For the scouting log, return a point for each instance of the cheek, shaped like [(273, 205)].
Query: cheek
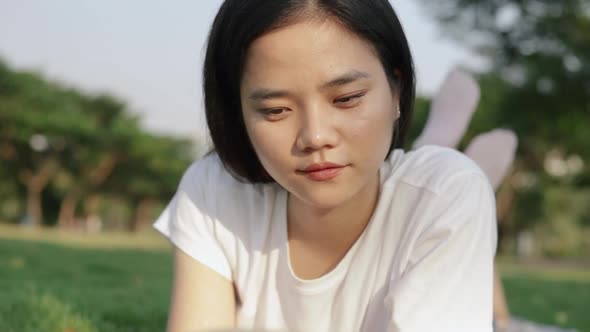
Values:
[(386, 116), (256, 135), (270, 144), (375, 126)]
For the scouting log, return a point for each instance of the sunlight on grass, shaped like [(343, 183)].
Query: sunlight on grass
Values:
[(33, 312), (102, 282), (48, 287), (550, 292), (544, 271), (148, 239)]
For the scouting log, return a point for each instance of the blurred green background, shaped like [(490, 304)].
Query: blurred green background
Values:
[(80, 179)]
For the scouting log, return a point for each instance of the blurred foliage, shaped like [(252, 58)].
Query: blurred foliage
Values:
[(63, 153), (538, 84)]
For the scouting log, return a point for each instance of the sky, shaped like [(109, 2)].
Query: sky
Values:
[(149, 53)]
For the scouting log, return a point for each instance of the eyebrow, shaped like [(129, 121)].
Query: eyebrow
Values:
[(263, 94), (347, 78)]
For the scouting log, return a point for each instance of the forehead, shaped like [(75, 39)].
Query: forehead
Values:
[(321, 49)]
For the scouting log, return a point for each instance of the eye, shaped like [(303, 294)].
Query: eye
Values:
[(350, 100), (274, 114)]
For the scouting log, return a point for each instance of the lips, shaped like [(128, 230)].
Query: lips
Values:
[(322, 171), (321, 166)]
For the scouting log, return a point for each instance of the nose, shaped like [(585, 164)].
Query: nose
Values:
[(317, 131)]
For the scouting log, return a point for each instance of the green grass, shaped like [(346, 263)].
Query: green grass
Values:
[(50, 287), (550, 295), (67, 282)]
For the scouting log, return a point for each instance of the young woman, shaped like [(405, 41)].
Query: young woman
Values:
[(308, 215)]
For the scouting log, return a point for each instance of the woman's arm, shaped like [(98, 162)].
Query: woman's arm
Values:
[(202, 299)]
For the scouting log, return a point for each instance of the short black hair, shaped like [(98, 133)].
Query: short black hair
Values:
[(239, 22)]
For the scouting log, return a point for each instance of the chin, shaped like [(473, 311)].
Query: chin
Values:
[(324, 198)]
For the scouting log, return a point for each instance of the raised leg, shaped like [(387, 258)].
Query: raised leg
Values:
[(451, 111)]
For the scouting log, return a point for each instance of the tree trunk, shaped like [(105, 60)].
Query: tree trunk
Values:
[(92, 220), (96, 176), (91, 204), (35, 183), (504, 200), (67, 210), (103, 170), (34, 208), (142, 213)]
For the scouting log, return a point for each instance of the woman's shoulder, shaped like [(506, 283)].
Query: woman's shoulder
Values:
[(207, 167), (234, 208), (431, 167), (210, 185), (444, 189), (216, 218), (209, 173)]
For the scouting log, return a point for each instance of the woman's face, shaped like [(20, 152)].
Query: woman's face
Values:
[(318, 110)]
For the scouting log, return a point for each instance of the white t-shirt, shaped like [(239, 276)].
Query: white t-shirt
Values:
[(423, 263)]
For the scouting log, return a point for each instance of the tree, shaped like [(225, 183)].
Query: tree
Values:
[(539, 51), (35, 118), (83, 148), (91, 160), (162, 160), (538, 84)]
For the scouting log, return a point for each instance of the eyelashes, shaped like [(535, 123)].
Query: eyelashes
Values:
[(278, 113), (348, 100), (273, 112)]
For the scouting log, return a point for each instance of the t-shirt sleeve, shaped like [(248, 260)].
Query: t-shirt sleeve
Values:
[(189, 219), (447, 283)]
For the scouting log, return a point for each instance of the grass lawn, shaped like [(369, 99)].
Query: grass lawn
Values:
[(52, 281), (548, 294), (69, 287)]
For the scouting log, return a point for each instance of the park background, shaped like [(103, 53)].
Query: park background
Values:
[(101, 112)]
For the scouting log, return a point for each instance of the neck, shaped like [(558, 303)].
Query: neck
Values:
[(335, 227)]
